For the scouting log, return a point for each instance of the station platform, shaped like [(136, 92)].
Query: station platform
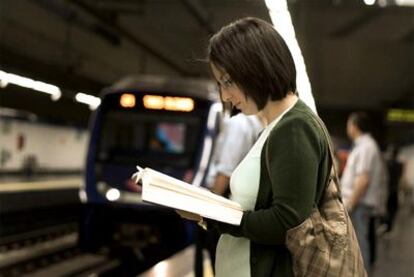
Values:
[(395, 249), (180, 265), (395, 253)]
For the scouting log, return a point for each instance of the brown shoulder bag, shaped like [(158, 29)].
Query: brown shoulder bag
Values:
[(325, 243)]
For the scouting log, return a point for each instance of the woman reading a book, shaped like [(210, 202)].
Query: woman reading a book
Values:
[(286, 169)]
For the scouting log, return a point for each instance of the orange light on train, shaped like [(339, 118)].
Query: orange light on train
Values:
[(183, 104), (169, 103), (127, 100), (154, 102)]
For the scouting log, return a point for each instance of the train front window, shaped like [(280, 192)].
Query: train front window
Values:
[(168, 137), (152, 140)]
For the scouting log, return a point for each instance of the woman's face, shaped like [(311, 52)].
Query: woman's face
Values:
[(350, 129), (231, 93)]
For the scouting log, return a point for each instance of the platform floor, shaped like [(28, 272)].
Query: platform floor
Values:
[(180, 265), (395, 256), (396, 249)]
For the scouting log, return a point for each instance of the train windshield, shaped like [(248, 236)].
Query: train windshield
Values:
[(148, 139)]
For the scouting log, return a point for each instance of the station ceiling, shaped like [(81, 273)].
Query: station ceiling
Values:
[(357, 56)]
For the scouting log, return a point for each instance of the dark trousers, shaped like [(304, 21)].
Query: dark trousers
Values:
[(372, 239), (205, 240)]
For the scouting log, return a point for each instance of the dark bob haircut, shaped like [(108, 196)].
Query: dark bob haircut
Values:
[(361, 121), (257, 59)]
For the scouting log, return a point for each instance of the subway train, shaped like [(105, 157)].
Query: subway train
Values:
[(168, 124)]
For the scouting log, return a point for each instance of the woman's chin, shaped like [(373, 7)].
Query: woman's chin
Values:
[(247, 112)]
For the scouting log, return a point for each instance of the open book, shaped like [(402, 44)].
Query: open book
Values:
[(167, 191)]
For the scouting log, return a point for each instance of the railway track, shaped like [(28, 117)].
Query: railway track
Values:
[(51, 251)]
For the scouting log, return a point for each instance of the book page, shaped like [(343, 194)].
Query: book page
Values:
[(161, 189)]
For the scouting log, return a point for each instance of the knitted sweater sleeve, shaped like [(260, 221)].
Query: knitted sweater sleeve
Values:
[(294, 153)]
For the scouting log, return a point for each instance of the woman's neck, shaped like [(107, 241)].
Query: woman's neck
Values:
[(274, 109)]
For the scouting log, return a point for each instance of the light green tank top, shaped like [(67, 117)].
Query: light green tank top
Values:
[(233, 253)]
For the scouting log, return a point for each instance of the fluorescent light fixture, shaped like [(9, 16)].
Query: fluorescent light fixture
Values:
[(369, 2), (54, 91), (408, 3), (282, 22), (3, 79), (10, 78), (87, 99)]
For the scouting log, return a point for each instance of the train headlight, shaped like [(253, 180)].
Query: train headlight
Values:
[(112, 194)]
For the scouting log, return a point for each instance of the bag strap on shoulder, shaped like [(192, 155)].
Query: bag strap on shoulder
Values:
[(334, 171), (333, 174)]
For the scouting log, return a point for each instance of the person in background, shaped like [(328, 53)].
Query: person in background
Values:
[(406, 157), (395, 171), (362, 180), (238, 134)]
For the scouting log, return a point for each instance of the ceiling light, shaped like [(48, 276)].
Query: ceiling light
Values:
[(282, 22), (10, 78), (409, 3), (87, 99), (369, 2)]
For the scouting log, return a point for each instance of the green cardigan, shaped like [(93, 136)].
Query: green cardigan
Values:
[(299, 162)]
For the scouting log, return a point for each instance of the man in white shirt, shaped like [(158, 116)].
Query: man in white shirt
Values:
[(238, 135), (362, 180)]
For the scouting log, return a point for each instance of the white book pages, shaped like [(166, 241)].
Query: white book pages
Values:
[(165, 190)]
